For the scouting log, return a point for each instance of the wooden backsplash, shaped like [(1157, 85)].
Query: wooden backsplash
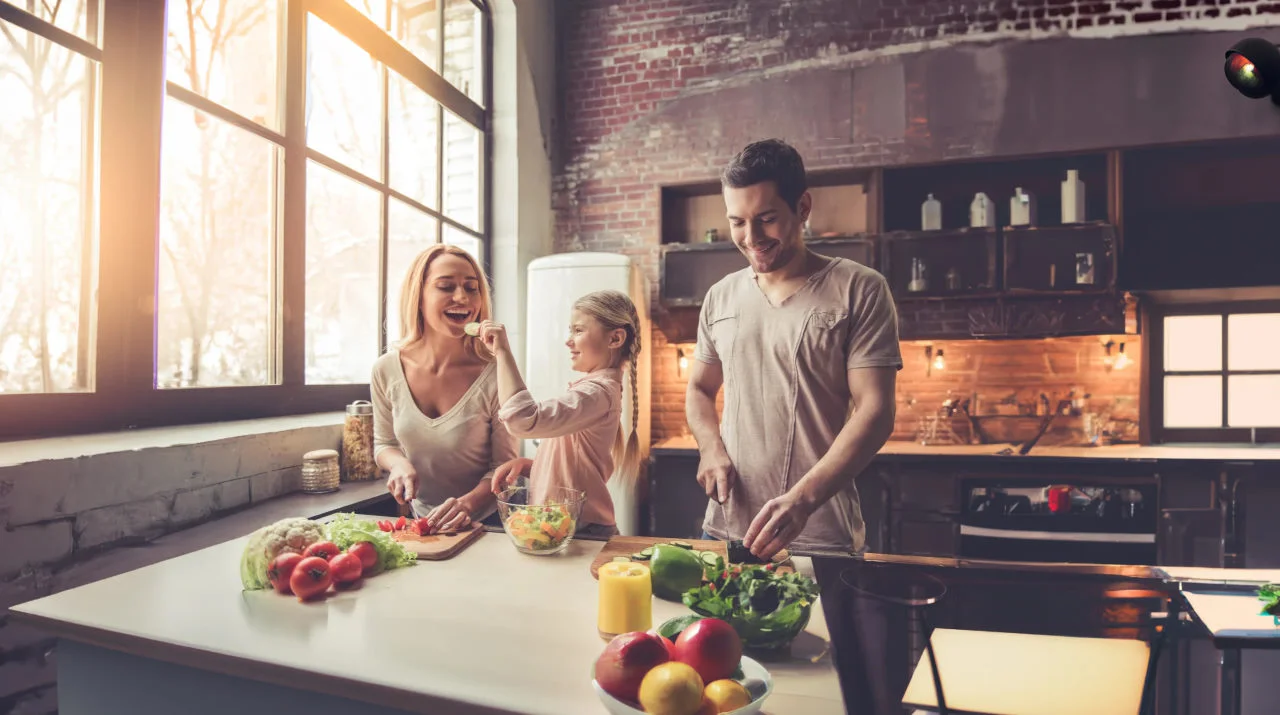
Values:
[(1015, 372)]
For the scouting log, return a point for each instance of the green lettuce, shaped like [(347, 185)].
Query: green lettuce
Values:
[(767, 609), (346, 529)]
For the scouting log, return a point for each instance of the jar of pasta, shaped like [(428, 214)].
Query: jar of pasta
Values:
[(357, 443)]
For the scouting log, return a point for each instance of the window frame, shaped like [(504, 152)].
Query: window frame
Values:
[(1156, 373), (131, 91)]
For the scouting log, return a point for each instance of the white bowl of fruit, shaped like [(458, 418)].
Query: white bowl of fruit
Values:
[(702, 673)]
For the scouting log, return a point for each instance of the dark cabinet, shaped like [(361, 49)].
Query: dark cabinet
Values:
[(676, 504)]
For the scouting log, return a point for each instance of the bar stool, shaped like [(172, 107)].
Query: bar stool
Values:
[(916, 592)]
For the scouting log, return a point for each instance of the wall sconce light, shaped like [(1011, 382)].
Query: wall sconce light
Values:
[(934, 362), (682, 362), (1120, 361)]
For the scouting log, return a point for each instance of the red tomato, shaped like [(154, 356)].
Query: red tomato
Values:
[(366, 552), (384, 525), (399, 523), (424, 526), (281, 569), (324, 549), (311, 578), (346, 568)]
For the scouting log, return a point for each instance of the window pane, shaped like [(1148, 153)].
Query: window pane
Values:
[(463, 47), (1192, 342), (416, 25), (47, 241), (412, 145), (1252, 400), (461, 171), (375, 10), (78, 17), (1193, 401), (225, 51), (344, 100), (217, 231), (409, 232), (1253, 341), (465, 241), (343, 223)]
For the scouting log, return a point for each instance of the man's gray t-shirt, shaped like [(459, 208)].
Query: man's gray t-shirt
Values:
[(787, 388)]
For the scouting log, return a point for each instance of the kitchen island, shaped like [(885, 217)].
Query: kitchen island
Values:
[(488, 631)]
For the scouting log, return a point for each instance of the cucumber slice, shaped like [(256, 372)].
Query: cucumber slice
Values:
[(646, 552), (622, 559), (708, 557), (639, 556), (682, 544)]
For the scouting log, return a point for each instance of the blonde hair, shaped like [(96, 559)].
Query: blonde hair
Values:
[(413, 324), (615, 311)]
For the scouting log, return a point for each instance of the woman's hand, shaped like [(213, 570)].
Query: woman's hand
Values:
[(452, 515), (402, 482), (509, 473), (494, 336)]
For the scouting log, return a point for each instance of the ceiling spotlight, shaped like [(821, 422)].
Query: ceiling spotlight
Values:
[(1253, 68)]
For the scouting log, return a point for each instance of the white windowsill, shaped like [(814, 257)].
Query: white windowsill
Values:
[(73, 446)]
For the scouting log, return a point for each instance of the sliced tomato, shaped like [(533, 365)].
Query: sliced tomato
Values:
[(384, 525), (399, 524), (424, 526)]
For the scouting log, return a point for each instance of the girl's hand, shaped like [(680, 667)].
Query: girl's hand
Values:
[(452, 515), (494, 336), (509, 473), (402, 482)]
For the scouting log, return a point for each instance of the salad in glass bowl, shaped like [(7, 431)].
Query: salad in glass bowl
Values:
[(540, 529)]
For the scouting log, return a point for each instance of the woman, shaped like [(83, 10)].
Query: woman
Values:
[(435, 398)]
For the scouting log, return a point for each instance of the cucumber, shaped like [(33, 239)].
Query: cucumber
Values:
[(682, 544), (647, 552), (640, 556), (708, 557), (622, 559)]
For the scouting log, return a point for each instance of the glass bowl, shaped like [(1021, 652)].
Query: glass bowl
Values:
[(540, 529)]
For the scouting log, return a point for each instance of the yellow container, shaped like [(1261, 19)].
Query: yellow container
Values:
[(626, 599)]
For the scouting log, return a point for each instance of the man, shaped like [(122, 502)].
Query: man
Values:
[(806, 348)]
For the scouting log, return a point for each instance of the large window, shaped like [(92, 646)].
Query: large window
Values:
[(231, 245), (1216, 373)]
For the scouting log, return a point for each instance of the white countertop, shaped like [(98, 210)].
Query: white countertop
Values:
[(491, 630), (1120, 451)]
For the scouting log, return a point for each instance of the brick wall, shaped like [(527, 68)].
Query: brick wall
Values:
[(666, 91)]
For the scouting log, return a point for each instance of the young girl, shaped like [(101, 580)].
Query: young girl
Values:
[(581, 430)]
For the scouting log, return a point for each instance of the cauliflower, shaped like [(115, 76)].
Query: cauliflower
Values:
[(294, 534)]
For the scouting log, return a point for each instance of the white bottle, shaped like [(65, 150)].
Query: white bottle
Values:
[(1022, 208), (982, 213), (931, 214), (1072, 198)]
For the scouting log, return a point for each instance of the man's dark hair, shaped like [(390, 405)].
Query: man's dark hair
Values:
[(768, 160)]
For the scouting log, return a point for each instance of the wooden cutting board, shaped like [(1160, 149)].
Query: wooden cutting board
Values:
[(439, 547), (628, 545)]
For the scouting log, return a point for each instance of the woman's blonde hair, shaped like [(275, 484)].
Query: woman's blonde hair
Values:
[(413, 324), (615, 311)]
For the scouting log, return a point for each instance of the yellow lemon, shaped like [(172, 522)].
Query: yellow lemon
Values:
[(727, 695), (671, 689)]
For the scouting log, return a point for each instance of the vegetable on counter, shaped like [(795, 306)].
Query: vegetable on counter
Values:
[(1269, 594), (346, 530), (291, 535), (766, 608), (541, 527)]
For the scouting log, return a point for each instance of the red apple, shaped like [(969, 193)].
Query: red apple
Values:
[(711, 647), (626, 660), (671, 647)]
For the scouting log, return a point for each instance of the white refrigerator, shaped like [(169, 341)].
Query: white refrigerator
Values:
[(554, 283)]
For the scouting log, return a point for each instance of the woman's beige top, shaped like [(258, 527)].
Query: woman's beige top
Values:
[(452, 452)]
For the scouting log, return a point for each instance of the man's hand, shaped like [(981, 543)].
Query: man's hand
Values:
[(509, 473), (779, 522), (717, 475)]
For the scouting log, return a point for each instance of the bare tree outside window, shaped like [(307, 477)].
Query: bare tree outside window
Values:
[(47, 235)]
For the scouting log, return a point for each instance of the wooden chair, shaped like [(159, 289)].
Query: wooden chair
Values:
[(1021, 674)]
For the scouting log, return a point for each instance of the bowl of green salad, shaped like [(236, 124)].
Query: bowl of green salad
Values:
[(542, 528)]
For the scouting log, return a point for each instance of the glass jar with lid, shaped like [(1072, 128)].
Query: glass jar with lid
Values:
[(357, 443), (320, 471)]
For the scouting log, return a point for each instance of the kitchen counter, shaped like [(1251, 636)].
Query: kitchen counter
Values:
[(489, 631), (1124, 452)]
